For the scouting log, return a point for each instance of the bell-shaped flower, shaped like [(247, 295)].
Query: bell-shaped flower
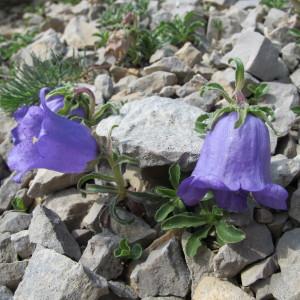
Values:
[(233, 163), (44, 139)]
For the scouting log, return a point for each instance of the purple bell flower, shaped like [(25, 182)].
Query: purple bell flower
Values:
[(233, 163), (44, 139)]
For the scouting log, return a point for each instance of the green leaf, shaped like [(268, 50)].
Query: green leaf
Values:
[(174, 175), (201, 123), (213, 86), (239, 73), (296, 110), (126, 159), (183, 221), (136, 251), (294, 32), (18, 204), (229, 233), (97, 188), (114, 214), (165, 192), (242, 114), (93, 176), (163, 212), (195, 240)]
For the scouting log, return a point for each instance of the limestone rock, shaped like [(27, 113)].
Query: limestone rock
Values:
[(14, 221)]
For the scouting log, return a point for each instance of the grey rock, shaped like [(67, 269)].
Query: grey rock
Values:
[(287, 146), (291, 55), (260, 270), (295, 78), (82, 236), (152, 83), (70, 206), (158, 274), (45, 44), (92, 220), (278, 223), (274, 17), (211, 288), (260, 57), (169, 91), (171, 64), (205, 102), (46, 182), (137, 231), (122, 290), (99, 257), (245, 4), (123, 83), (79, 34), (7, 251), (199, 265), (82, 8), (284, 170), (191, 86), (280, 36), (165, 51), (255, 18), (47, 229), (222, 3), (179, 7), (232, 258), (5, 293), (189, 54), (263, 215), (8, 191), (69, 280), (21, 244), (22, 194), (11, 274), (157, 131), (14, 221), (294, 210), (104, 86), (162, 298)]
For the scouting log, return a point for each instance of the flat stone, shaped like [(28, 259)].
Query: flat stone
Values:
[(123, 83), (260, 270), (274, 17), (7, 251), (232, 258), (14, 221), (47, 229), (69, 280), (189, 54), (260, 57), (282, 97), (122, 290), (158, 274), (171, 64), (291, 55), (11, 274), (136, 232), (21, 244), (79, 34), (99, 257), (211, 288), (205, 102), (104, 86), (157, 131), (152, 83), (70, 206), (45, 44), (284, 170), (5, 293), (165, 51), (8, 191), (92, 220), (199, 265), (47, 182), (191, 86)]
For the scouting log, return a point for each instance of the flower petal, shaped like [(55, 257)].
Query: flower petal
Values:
[(273, 195), (231, 201)]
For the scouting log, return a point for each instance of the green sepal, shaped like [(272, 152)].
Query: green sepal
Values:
[(239, 73), (174, 175), (195, 240), (229, 233)]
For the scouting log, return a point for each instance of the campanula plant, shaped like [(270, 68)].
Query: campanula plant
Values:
[(235, 158), (46, 138)]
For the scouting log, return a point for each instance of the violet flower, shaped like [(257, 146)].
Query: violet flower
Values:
[(44, 139), (233, 163)]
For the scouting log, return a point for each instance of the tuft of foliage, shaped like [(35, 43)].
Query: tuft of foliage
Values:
[(275, 3), (18, 204), (127, 252), (24, 86), (10, 46), (180, 30), (257, 91)]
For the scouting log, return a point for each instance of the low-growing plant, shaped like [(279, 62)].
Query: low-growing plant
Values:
[(128, 252), (23, 88), (180, 30), (258, 91), (279, 4), (18, 204), (13, 44)]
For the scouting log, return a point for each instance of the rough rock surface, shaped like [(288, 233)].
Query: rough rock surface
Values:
[(14, 221), (156, 131)]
